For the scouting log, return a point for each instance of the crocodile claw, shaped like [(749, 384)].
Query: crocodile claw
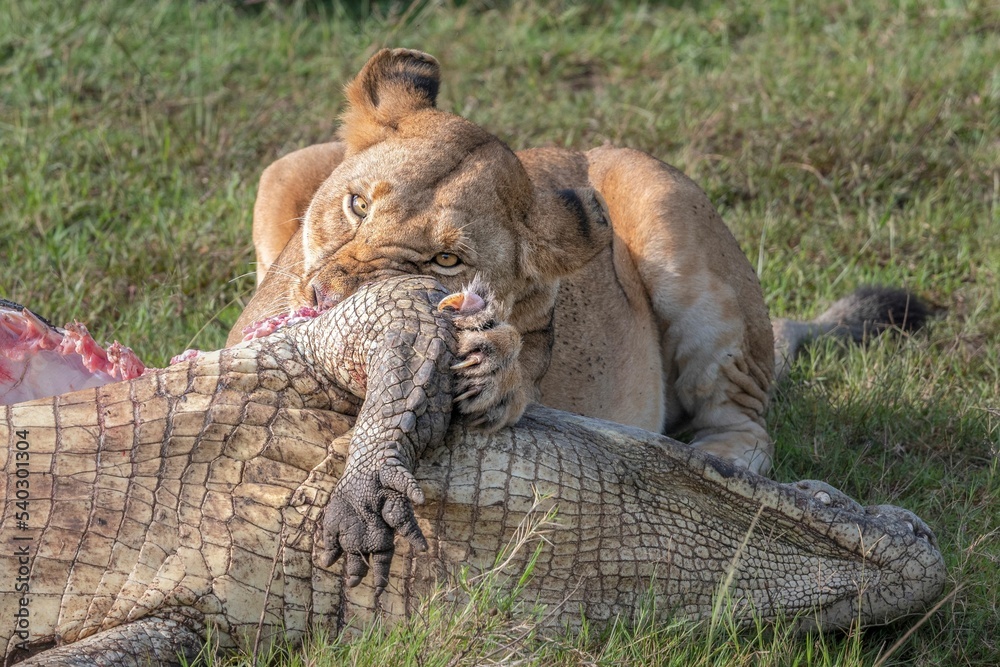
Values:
[(468, 301), (361, 520)]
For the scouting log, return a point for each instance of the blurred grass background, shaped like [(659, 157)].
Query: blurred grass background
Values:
[(843, 142)]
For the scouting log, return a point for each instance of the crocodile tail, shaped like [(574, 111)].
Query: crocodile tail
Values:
[(858, 317)]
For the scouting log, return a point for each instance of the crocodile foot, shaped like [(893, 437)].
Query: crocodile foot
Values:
[(363, 516), (408, 373), (374, 498), (489, 388)]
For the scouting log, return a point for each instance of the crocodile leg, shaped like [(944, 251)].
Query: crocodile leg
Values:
[(150, 642), (372, 500)]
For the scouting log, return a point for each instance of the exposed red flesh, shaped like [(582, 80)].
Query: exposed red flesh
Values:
[(186, 355), (37, 360), (269, 326), (259, 329)]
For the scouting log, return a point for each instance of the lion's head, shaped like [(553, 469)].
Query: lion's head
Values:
[(423, 191)]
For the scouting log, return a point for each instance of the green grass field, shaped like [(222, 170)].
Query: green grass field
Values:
[(844, 143)]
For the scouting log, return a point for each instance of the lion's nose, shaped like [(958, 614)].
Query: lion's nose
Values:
[(324, 297)]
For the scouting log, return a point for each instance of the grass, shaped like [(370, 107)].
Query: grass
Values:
[(843, 142)]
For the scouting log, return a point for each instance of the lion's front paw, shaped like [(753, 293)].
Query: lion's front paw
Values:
[(489, 386)]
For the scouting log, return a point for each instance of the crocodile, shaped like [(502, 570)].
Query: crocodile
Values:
[(143, 514)]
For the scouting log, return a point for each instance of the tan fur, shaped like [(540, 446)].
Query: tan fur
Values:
[(286, 188), (660, 324)]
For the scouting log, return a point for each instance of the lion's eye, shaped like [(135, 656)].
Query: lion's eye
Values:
[(359, 205), (446, 259)]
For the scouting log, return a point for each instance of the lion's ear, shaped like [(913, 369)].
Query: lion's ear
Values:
[(393, 84), (567, 229)]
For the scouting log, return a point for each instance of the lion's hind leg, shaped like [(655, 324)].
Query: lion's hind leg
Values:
[(717, 346), (720, 385)]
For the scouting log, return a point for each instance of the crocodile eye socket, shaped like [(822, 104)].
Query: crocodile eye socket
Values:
[(359, 206), (447, 260)]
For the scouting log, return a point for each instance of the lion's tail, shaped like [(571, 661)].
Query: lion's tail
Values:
[(863, 314)]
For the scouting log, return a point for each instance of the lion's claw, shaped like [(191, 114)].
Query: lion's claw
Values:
[(466, 396), (473, 359)]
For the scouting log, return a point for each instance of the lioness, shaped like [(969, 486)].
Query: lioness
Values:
[(620, 293)]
